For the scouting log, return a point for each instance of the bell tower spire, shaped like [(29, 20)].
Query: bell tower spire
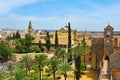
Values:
[(30, 25), (30, 28)]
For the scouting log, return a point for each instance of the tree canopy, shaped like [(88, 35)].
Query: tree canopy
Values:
[(48, 42), (5, 50), (56, 40)]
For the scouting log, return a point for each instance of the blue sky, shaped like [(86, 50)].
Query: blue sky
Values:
[(83, 15)]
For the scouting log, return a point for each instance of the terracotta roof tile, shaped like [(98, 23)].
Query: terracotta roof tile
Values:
[(115, 60)]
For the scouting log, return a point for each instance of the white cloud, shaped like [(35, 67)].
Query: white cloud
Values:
[(80, 19), (7, 5)]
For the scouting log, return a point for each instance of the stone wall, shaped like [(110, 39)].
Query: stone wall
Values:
[(16, 56), (97, 52)]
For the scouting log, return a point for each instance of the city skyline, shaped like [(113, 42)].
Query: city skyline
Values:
[(83, 15)]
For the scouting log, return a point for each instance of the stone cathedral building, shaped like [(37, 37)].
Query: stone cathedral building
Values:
[(30, 29), (103, 47), (106, 54)]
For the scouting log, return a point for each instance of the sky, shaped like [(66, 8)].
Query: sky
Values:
[(90, 15)]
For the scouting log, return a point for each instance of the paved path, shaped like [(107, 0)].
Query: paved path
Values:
[(104, 74), (3, 65)]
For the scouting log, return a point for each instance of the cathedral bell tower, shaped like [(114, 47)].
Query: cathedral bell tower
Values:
[(108, 32), (108, 40), (30, 28)]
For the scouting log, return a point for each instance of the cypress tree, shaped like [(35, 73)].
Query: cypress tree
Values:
[(40, 46), (28, 40), (56, 40), (69, 35), (69, 42), (48, 43), (18, 35), (14, 35), (77, 67), (78, 51), (84, 46)]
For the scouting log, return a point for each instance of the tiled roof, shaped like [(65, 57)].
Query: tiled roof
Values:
[(115, 60), (61, 41)]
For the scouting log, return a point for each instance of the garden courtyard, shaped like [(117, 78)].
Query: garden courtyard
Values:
[(89, 74)]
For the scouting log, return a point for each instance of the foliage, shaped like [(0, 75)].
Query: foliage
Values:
[(77, 67), (84, 46), (61, 54), (35, 72), (2, 74), (69, 42), (20, 46), (83, 66), (48, 71), (56, 40), (78, 51), (64, 68), (40, 46), (17, 36), (69, 36), (41, 61), (9, 37), (20, 74), (37, 49), (5, 50), (47, 78), (53, 65), (24, 45), (14, 36), (48, 42), (26, 61), (28, 40), (10, 69)]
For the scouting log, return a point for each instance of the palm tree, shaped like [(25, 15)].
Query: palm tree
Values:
[(20, 74), (64, 68), (41, 60), (10, 68), (27, 63), (61, 54), (35, 73), (53, 65), (1, 75)]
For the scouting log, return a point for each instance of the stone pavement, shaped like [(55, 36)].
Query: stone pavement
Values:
[(104, 74), (3, 65)]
